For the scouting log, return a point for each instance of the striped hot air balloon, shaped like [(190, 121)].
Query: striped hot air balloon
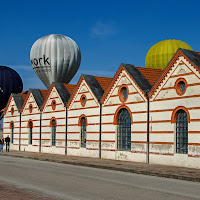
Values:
[(55, 58)]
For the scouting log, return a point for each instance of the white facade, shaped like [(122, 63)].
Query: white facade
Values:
[(58, 113), (164, 104), (12, 116), (136, 104), (30, 115), (166, 99), (91, 112)]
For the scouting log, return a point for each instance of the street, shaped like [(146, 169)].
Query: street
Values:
[(62, 181)]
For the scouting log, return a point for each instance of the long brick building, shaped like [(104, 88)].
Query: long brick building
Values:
[(140, 115)]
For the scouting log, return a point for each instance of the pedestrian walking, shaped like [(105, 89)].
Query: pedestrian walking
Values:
[(1, 145), (7, 140)]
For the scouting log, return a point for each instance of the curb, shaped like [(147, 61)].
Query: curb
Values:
[(144, 172)]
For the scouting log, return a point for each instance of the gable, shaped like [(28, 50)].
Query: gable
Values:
[(134, 92), (181, 69), (85, 90), (11, 104), (30, 101), (53, 96)]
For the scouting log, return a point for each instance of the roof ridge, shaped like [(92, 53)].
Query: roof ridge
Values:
[(69, 84), (102, 77)]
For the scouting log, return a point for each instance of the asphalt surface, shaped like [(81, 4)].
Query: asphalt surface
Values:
[(64, 181), (132, 167)]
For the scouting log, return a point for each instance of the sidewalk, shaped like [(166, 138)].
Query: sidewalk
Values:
[(133, 167)]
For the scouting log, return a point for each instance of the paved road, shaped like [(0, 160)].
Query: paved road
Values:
[(62, 181)]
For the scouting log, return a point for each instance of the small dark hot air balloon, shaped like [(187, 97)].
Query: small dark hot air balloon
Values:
[(10, 82)]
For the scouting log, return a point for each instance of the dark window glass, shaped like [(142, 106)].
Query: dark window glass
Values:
[(30, 108), (182, 132), (83, 99), (30, 132), (12, 132), (182, 87), (124, 130), (53, 132), (124, 93), (83, 132), (12, 110), (53, 104)]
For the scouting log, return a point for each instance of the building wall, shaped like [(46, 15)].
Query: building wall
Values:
[(163, 104), (59, 114), (136, 104), (91, 111), (27, 116), (15, 118)]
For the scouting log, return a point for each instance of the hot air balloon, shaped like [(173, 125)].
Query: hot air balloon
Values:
[(10, 82), (55, 58), (161, 53)]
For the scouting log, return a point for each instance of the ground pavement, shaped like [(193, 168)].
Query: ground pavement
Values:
[(133, 167), (8, 193)]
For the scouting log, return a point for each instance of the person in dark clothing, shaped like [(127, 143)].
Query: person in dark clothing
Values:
[(7, 140), (2, 140)]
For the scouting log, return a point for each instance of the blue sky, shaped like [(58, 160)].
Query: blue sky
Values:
[(108, 32)]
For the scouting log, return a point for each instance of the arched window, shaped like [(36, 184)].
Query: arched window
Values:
[(12, 131), (124, 130), (30, 132), (83, 132), (181, 132), (53, 139)]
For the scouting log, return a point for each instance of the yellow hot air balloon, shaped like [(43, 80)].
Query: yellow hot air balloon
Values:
[(161, 53)]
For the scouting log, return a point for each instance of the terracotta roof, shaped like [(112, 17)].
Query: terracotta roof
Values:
[(69, 87), (23, 94), (103, 82), (3, 109), (44, 93), (198, 53), (150, 74)]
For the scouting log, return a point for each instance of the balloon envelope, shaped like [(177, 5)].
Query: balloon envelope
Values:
[(10, 82), (55, 58), (162, 52)]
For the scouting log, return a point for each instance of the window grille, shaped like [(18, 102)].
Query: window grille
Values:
[(30, 132), (83, 132), (181, 132), (124, 130), (12, 132), (53, 132)]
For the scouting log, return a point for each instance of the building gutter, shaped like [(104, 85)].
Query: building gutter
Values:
[(66, 132), (20, 125), (40, 145), (100, 130), (147, 158)]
